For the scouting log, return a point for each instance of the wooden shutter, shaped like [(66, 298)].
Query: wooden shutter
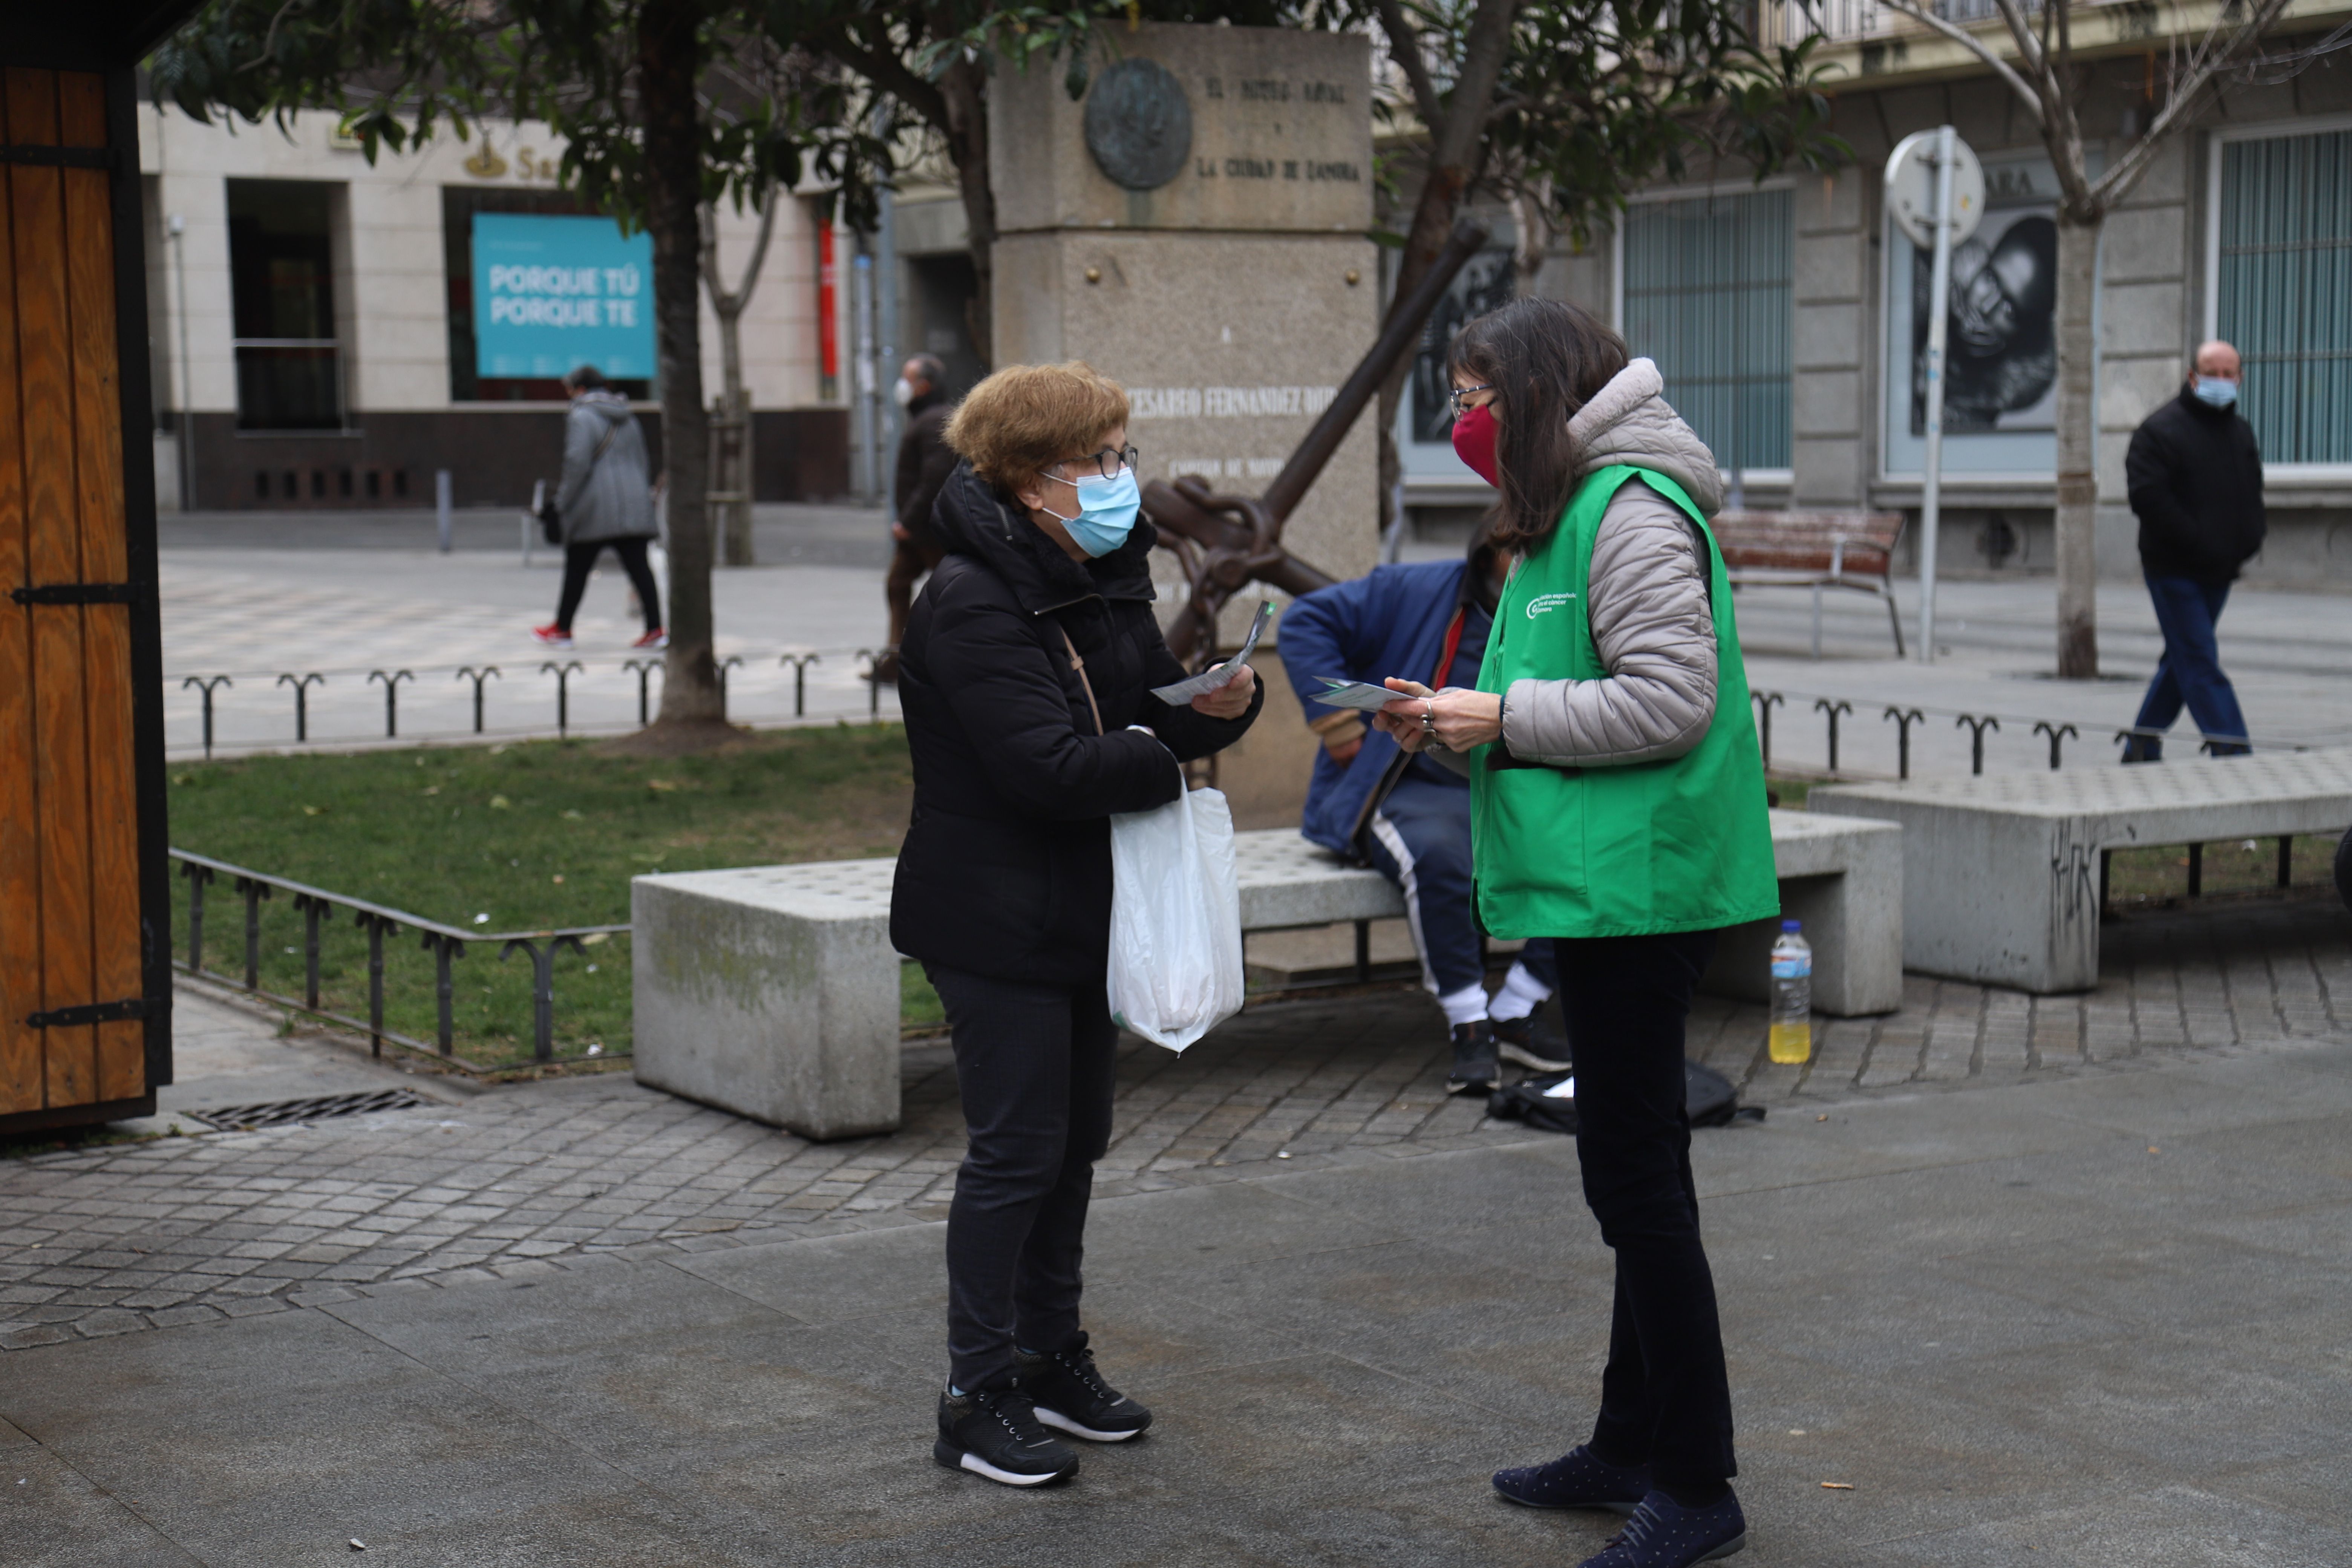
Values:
[(78, 990)]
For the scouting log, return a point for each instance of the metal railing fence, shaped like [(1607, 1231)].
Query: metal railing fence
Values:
[(560, 677), (447, 944)]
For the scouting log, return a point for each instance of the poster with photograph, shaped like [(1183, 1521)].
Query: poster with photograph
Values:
[(2000, 351), (1485, 282)]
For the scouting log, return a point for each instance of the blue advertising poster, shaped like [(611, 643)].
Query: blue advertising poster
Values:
[(553, 293)]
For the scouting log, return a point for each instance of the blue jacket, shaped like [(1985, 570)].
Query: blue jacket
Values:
[(1392, 621)]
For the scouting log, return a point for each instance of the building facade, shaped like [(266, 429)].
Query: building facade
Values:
[(330, 333), (1787, 317)]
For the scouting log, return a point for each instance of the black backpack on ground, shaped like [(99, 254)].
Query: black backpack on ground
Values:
[(1711, 1099)]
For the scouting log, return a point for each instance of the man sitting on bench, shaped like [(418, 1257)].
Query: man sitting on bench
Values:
[(1406, 816)]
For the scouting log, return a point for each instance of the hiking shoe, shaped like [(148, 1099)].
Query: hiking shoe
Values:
[(994, 1432), (1662, 1533), (1477, 1069), (1530, 1044), (1576, 1479), (553, 636), (1071, 1396), (655, 638)]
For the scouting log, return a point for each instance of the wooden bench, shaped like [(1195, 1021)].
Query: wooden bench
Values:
[(773, 991), (1814, 550), (2001, 872)]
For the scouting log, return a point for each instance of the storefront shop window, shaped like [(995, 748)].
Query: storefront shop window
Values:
[(1707, 295), (289, 364), (469, 383), (2283, 287)]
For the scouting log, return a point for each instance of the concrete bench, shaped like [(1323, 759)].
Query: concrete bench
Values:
[(2001, 873), (773, 991)]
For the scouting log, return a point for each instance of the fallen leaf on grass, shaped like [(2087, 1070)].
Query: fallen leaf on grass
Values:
[(1837, 1485), (499, 803), (314, 811), (660, 784)]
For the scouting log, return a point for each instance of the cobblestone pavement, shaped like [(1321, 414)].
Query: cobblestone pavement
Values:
[(546, 1176)]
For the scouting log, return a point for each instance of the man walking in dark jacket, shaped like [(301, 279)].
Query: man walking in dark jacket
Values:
[(925, 460), (2196, 478)]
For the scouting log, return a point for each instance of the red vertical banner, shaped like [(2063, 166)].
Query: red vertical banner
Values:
[(828, 314)]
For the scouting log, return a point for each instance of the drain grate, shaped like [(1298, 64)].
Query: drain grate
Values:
[(286, 1112)]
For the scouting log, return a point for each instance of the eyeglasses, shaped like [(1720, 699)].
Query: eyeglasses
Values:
[(1106, 463), (1459, 393)]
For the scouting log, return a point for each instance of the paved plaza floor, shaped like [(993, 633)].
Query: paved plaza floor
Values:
[(257, 596), (2054, 1279)]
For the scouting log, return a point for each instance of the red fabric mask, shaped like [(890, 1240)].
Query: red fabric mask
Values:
[(1473, 443)]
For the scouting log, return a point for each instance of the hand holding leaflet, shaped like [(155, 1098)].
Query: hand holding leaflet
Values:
[(1210, 679)]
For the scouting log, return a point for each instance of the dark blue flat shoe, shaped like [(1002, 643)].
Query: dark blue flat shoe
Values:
[(1662, 1533), (1576, 1479)]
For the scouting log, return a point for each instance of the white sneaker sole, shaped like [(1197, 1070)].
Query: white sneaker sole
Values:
[(1062, 1423), (1529, 1059), (979, 1466)]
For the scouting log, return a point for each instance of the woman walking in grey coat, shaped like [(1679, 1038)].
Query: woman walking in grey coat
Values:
[(604, 497)]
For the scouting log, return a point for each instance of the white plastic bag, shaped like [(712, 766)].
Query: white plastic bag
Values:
[(1175, 920)]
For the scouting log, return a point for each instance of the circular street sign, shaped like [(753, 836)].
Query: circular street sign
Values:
[(1138, 124), (1911, 189)]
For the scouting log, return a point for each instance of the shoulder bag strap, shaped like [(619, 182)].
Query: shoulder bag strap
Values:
[(1080, 666)]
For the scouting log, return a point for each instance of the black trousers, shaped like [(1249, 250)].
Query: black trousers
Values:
[(579, 559), (1034, 1065), (1665, 1398)]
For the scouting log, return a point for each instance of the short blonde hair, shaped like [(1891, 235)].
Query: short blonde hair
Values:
[(1027, 418)]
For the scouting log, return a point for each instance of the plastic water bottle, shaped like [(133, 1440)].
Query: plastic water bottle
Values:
[(1792, 996)]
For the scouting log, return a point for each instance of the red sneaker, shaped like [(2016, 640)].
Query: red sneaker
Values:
[(655, 638), (553, 636)]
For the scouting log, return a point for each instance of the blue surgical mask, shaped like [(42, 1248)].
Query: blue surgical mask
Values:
[(2215, 392), (1106, 510)]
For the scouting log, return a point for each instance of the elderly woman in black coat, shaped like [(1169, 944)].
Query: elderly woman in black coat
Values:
[(1025, 679)]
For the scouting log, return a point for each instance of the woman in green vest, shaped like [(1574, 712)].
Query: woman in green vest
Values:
[(1618, 807)]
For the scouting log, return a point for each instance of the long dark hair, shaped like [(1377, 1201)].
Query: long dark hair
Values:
[(1545, 359)]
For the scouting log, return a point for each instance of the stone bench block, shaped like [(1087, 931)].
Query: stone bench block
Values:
[(2001, 872), (771, 992)]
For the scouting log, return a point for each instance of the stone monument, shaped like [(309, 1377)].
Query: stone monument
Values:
[(1195, 229)]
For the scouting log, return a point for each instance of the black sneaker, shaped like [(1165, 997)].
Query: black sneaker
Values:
[(1071, 1396), (1530, 1044), (994, 1432), (1477, 1069)]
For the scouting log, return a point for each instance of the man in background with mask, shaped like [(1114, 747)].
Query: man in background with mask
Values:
[(925, 460), (2196, 482)]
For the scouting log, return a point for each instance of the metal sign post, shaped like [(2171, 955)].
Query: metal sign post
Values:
[(1934, 192)]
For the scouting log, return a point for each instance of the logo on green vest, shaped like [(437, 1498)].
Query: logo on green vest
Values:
[(1543, 602)]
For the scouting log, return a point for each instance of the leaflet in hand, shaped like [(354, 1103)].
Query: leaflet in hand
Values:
[(1210, 679), (1361, 695)]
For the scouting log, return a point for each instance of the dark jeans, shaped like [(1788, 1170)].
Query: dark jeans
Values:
[(1419, 838), (1665, 1399), (579, 559), (1035, 1066), (2191, 671)]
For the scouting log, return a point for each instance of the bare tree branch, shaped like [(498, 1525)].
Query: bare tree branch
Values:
[(1975, 46), (1404, 48), (2208, 60)]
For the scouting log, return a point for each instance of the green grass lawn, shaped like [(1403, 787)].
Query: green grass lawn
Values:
[(516, 837)]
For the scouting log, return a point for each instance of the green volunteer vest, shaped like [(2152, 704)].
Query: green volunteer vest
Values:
[(1683, 843)]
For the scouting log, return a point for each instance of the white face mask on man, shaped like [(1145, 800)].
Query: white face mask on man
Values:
[(904, 392)]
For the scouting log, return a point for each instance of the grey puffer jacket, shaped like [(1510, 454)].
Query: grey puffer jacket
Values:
[(1647, 597), (609, 496)]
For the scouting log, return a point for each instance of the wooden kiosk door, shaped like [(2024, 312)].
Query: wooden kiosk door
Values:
[(84, 932)]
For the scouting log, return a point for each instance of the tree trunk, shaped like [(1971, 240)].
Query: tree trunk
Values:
[(735, 406), (965, 88), (673, 155), (2078, 450)]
